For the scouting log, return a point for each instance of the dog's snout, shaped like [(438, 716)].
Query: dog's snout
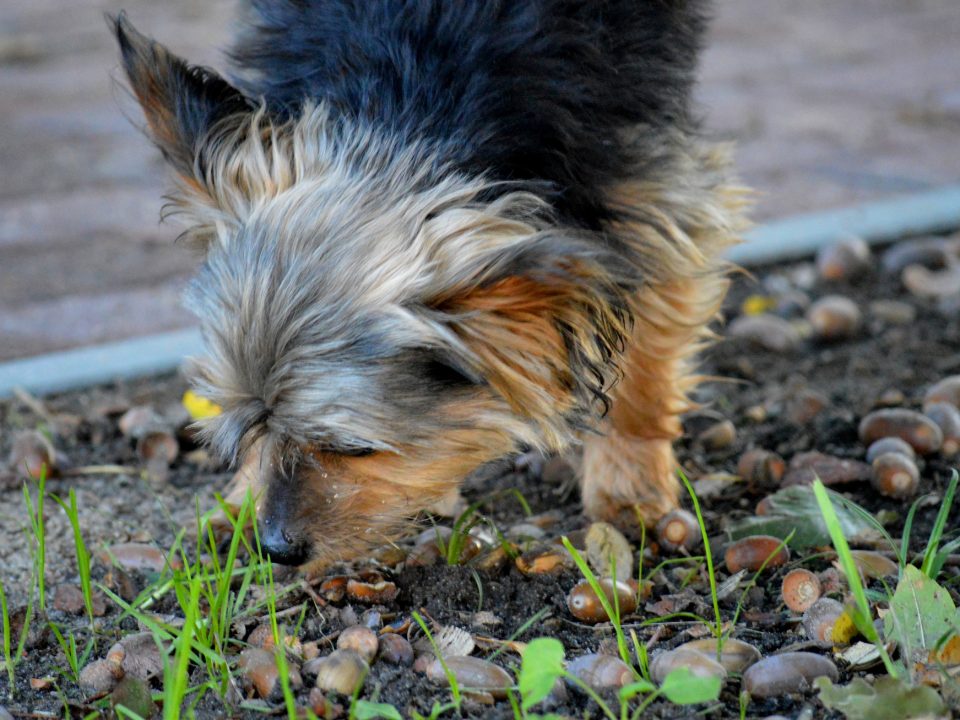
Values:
[(280, 544)]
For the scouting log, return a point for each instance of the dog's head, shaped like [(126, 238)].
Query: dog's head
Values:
[(378, 326)]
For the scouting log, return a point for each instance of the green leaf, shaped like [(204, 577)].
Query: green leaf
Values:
[(366, 710), (682, 687), (795, 509), (921, 613), (540, 668), (887, 699), (640, 687)]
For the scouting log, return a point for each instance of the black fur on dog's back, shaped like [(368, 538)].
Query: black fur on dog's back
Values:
[(529, 90)]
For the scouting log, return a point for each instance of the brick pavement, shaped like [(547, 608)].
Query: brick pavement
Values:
[(830, 103)]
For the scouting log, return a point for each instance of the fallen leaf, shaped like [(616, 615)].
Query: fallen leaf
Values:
[(887, 699), (795, 510), (921, 614)]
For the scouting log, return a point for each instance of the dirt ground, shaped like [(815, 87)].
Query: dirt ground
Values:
[(830, 103), (807, 397)]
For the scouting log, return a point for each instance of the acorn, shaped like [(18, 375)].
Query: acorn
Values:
[(787, 673), (844, 259), (698, 663), (820, 619), (372, 593), (678, 529), (873, 565), (473, 673), (584, 604), (769, 332), (752, 553), (922, 433), (889, 445), (361, 640), (718, 436), (834, 317), (895, 476), (761, 468), (945, 390), (395, 649), (800, 589), (947, 417), (342, 671), (32, 454), (601, 671), (735, 655)]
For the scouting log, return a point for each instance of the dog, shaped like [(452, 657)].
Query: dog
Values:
[(435, 233)]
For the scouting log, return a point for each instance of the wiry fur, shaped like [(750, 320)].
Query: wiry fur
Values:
[(417, 262)]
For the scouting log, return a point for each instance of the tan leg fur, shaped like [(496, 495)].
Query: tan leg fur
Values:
[(629, 471)]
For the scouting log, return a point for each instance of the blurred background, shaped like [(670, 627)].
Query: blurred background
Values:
[(830, 102)]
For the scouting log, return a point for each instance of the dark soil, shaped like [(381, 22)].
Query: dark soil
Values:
[(851, 376)]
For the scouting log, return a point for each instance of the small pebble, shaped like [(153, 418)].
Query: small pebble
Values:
[(834, 317), (947, 417), (889, 445), (473, 673), (341, 671), (895, 475), (601, 671), (769, 332), (68, 598), (752, 553), (800, 589), (919, 431), (790, 672), (698, 663), (892, 312), (139, 556)]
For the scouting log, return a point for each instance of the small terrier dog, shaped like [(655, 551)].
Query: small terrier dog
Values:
[(435, 233)]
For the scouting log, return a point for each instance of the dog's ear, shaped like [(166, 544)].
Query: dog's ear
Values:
[(182, 103), (546, 338)]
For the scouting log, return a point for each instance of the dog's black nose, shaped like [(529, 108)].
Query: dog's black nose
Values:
[(277, 542)]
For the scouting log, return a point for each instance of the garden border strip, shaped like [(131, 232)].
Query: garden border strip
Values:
[(934, 211)]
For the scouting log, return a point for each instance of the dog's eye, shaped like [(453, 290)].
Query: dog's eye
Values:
[(356, 452), (446, 374)]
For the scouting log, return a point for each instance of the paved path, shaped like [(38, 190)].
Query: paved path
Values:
[(830, 104)]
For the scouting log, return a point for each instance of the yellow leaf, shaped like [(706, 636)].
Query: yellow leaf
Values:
[(757, 304), (844, 629), (199, 407)]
